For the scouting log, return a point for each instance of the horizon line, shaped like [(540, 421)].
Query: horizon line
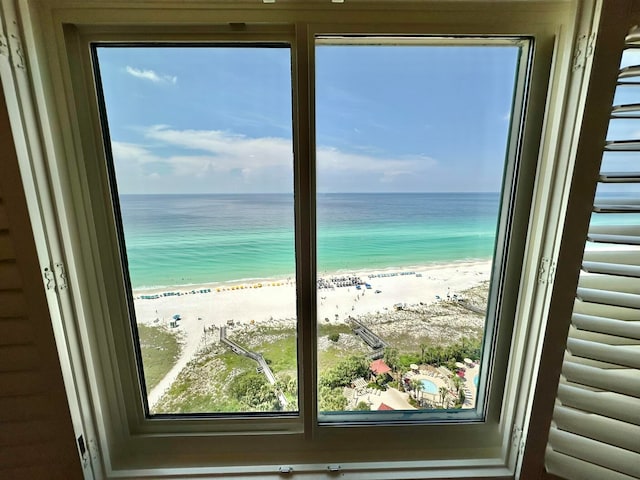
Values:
[(291, 193)]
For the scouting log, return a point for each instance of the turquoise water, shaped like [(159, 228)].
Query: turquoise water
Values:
[(429, 387), (475, 381), (190, 239)]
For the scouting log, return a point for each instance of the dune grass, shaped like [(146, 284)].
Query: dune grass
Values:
[(160, 351)]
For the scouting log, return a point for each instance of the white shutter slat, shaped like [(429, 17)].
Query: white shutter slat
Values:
[(623, 146), (599, 453), (602, 402), (627, 257), (625, 355), (612, 269), (606, 311), (616, 208), (615, 239), (572, 468), (610, 326), (590, 335), (575, 359), (621, 380), (620, 177), (626, 108), (622, 200), (630, 230), (607, 297), (610, 283), (604, 429)]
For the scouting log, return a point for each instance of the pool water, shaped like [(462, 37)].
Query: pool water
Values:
[(475, 381), (429, 387)]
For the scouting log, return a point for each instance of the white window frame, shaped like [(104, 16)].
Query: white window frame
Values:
[(57, 130)]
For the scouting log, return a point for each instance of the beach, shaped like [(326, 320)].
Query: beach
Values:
[(272, 302), (268, 299)]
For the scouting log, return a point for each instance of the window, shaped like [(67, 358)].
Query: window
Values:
[(202, 174), (201, 171), (93, 149), (409, 180)]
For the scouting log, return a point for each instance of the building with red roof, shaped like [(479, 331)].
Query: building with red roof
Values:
[(378, 367)]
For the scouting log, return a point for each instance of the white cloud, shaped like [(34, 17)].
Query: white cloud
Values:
[(227, 160), (129, 152), (151, 75), (228, 151), (238, 151)]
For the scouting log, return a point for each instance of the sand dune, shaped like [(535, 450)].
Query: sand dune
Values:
[(275, 299)]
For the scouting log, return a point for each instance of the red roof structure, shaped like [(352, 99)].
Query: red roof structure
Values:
[(384, 406), (378, 367)]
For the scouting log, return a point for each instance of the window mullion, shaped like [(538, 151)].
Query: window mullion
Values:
[(305, 212)]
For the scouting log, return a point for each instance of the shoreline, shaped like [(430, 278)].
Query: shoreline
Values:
[(249, 282), (214, 305)]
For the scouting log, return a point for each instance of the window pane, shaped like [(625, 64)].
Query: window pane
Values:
[(201, 146), (411, 148)]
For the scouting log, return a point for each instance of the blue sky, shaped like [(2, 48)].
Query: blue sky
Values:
[(388, 118)]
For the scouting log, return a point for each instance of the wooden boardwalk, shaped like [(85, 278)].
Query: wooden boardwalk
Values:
[(262, 364), (374, 342), (472, 308)]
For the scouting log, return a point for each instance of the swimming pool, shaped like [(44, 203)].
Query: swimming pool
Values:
[(429, 387), (475, 381)]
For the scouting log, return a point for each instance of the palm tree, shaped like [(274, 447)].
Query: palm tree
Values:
[(443, 394), (457, 382), (423, 351), (391, 358), (419, 388), (414, 386)]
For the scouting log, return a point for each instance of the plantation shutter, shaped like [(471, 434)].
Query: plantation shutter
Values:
[(595, 432), (36, 432)]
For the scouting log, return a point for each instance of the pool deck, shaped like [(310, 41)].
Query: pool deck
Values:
[(398, 400), (439, 379)]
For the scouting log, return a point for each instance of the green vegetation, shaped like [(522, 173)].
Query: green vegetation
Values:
[(406, 359), (201, 385), (376, 386), (331, 399), (342, 374), (456, 352), (335, 353), (279, 351), (218, 380), (288, 385), (160, 351), (331, 328), (254, 392)]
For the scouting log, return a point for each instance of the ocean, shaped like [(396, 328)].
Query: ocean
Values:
[(176, 240)]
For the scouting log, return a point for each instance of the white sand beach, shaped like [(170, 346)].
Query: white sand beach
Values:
[(274, 300)]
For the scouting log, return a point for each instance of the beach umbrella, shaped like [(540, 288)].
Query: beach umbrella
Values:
[(176, 317)]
